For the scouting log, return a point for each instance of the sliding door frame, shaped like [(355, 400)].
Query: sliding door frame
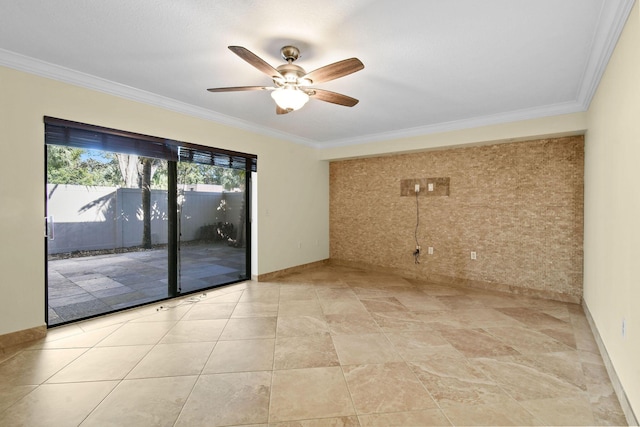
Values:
[(81, 135)]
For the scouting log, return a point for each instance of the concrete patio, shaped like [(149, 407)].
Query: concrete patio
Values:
[(87, 286)]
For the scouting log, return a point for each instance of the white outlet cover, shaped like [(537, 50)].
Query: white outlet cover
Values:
[(430, 186)]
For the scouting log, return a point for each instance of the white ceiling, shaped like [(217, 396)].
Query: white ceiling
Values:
[(430, 65)]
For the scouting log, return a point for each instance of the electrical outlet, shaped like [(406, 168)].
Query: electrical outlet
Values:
[(474, 255), (430, 250), (624, 327), (417, 188), (430, 186)]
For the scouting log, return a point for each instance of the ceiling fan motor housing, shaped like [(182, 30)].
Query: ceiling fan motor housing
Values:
[(290, 53), (291, 72)]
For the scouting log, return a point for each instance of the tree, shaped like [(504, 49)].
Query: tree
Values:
[(77, 166), (146, 202)]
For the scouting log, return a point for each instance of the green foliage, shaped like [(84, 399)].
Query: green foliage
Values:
[(77, 166), (196, 173)]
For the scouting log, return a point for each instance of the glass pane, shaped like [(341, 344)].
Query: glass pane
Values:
[(107, 232), (212, 239)]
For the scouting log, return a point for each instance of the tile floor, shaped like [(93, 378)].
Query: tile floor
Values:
[(328, 347), (87, 286)]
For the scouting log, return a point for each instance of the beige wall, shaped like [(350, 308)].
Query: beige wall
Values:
[(553, 126), (519, 206), (612, 209), (292, 198)]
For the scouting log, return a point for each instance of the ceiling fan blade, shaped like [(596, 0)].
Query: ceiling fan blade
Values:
[(333, 97), (238, 88), (335, 70), (280, 110), (255, 60)]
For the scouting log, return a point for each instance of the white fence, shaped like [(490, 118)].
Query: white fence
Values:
[(91, 218)]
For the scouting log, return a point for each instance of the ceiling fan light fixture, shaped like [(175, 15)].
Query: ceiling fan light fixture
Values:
[(290, 98)]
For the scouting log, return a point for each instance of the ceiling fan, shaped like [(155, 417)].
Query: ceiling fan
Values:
[(292, 84)]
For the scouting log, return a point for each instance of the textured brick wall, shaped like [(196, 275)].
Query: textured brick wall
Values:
[(518, 205)]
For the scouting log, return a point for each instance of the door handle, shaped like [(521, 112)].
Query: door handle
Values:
[(49, 228)]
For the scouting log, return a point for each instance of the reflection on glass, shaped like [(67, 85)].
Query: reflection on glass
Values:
[(212, 231), (107, 232)]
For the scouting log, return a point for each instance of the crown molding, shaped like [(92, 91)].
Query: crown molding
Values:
[(611, 22), (475, 122), (66, 75)]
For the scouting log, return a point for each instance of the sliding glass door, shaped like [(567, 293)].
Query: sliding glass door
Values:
[(132, 219), (212, 224)]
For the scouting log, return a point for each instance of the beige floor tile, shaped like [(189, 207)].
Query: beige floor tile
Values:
[(57, 404), (219, 310), (453, 380), (321, 422), (400, 321), (483, 318), (241, 356), (352, 324), (166, 360), (569, 411), (420, 345), (476, 343), (119, 318), (310, 307), (459, 302), (342, 306), (420, 303), (10, 394), (312, 351), (255, 309), (137, 333), (298, 293), (434, 289), (195, 331), (249, 328), (366, 348), (527, 341), (102, 364), (331, 293), (165, 314), (585, 341), (566, 366), (36, 366), (296, 326), (507, 359), (523, 380), (383, 304), (228, 399), (143, 402), (370, 292), (261, 294), (426, 417), (605, 405), (218, 298), (497, 299), (565, 336), (389, 387), (502, 414), (533, 318), (79, 340), (303, 394)]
